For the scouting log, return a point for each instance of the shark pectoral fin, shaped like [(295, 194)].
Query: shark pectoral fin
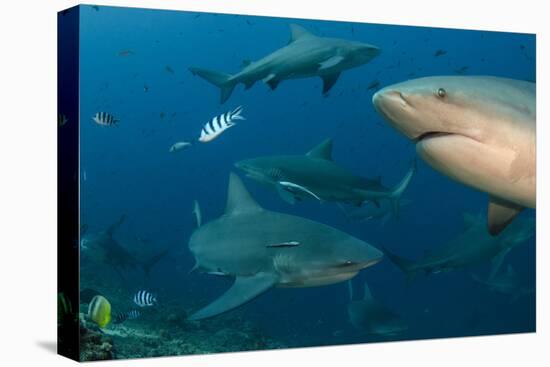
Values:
[(497, 263), (330, 62), (286, 195), (329, 80), (500, 213), (244, 290), (272, 81)]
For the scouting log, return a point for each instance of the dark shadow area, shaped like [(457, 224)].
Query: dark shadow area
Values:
[(48, 345)]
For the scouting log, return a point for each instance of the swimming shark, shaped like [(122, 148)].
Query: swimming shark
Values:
[(371, 316), (103, 247), (306, 55), (262, 249), (315, 175), (477, 130), (473, 246)]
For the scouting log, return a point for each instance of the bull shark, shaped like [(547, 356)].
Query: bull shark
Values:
[(262, 249), (306, 55), (315, 175), (371, 316), (103, 247), (477, 130), (475, 245)]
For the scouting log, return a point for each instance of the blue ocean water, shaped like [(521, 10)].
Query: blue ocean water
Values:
[(134, 65)]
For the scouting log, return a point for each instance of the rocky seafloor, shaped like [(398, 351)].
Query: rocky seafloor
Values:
[(158, 334)]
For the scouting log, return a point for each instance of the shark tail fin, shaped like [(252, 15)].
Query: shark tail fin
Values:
[(397, 191), (221, 80), (403, 264), (152, 261)]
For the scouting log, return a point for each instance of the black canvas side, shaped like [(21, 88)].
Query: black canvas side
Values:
[(67, 182)]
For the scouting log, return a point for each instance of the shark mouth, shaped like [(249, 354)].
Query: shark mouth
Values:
[(430, 135)]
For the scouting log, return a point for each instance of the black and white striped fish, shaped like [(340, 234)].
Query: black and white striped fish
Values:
[(144, 299), (213, 128), (129, 315), (105, 119)]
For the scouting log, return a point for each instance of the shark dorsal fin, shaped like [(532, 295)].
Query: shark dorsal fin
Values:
[(322, 151), (367, 296), (239, 200), (113, 227), (297, 32)]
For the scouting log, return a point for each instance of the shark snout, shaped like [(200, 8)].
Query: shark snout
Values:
[(251, 170), (246, 167), (397, 108), (389, 99), (373, 51)]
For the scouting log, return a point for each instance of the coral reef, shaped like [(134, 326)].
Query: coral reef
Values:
[(164, 330), (94, 344)]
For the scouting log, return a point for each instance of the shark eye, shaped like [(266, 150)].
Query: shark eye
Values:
[(441, 93), (346, 263)]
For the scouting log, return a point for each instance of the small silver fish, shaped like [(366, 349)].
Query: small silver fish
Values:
[(179, 146)]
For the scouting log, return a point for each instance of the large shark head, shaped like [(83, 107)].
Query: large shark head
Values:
[(269, 169), (328, 263), (261, 169), (355, 53), (479, 131)]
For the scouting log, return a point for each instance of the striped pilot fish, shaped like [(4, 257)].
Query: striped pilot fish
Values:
[(145, 299), (129, 315), (213, 128), (105, 119)]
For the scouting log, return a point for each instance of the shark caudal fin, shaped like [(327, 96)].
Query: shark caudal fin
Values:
[(406, 266), (152, 261), (397, 191), (220, 80)]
